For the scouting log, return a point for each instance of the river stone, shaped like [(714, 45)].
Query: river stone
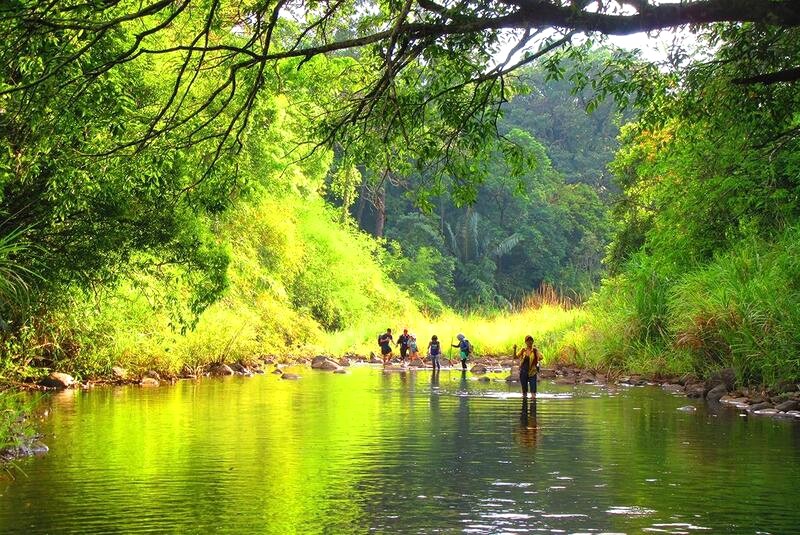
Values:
[(119, 373), (344, 361), (483, 379), (478, 369), (220, 370), (766, 412), (277, 371), (788, 405), (57, 380), (760, 406), (687, 408), (152, 374), (716, 393), (340, 371), (324, 363), (149, 381), (290, 376), (240, 369), (795, 414)]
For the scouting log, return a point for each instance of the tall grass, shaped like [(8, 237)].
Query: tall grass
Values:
[(739, 310)]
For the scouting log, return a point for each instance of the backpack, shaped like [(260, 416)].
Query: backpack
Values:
[(379, 339), (469, 346)]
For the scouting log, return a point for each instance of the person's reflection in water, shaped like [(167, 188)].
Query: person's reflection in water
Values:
[(528, 431), (463, 385)]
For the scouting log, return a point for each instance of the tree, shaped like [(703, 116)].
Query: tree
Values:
[(426, 75)]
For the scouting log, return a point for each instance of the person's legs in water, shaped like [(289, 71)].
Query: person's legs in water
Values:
[(464, 364), (435, 362), (403, 351), (532, 384), (524, 382)]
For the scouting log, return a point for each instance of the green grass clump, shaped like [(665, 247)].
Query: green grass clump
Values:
[(738, 310)]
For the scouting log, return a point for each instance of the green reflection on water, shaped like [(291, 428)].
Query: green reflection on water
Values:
[(399, 452)]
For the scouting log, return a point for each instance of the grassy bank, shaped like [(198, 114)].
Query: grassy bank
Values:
[(739, 310)]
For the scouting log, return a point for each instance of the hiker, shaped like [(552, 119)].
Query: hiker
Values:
[(403, 341), (464, 349), (385, 341), (434, 350), (528, 366), (413, 350)]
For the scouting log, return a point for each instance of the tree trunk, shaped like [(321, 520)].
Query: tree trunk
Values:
[(362, 203)]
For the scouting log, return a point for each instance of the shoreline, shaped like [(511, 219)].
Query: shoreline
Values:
[(719, 388)]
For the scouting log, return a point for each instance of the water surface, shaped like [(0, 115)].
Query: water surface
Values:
[(400, 453)]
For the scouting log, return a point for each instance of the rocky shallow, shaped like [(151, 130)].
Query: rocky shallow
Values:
[(720, 388)]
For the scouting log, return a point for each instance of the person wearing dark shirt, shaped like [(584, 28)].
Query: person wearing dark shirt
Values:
[(385, 341), (434, 350), (403, 341)]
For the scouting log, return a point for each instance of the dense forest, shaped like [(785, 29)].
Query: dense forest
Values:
[(191, 184)]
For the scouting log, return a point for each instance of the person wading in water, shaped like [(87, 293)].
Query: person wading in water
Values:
[(464, 349), (528, 366), (385, 341), (404, 341)]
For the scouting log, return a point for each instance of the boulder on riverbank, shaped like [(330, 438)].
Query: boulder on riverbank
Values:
[(149, 381), (119, 373), (57, 380), (220, 370)]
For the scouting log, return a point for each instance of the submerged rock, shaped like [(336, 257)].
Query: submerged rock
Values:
[(687, 408), (766, 412), (760, 406), (152, 374), (290, 376), (57, 380), (340, 371), (239, 369), (277, 371)]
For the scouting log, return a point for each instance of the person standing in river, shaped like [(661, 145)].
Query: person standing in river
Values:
[(464, 349), (403, 341), (528, 366), (385, 341), (434, 350)]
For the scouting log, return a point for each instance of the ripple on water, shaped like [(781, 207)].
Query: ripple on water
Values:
[(633, 510)]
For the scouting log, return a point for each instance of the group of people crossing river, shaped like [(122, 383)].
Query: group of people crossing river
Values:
[(529, 356)]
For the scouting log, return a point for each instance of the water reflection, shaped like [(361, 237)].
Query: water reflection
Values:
[(399, 452), (528, 430)]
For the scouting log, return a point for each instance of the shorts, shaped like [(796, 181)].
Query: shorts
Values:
[(385, 350)]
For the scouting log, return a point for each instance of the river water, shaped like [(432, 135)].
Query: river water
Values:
[(400, 453)]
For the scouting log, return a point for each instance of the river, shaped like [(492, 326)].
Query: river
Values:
[(399, 453)]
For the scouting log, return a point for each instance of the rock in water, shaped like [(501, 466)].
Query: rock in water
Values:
[(716, 393), (344, 361), (220, 370), (57, 380), (483, 379), (290, 376), (152, 374), (323, 363), (240, 369), (687, 408), (119, 373), (340, 371), (373, 359), (149, 381), (478, 369), (789, 405), (760, 406), (277, 371)]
